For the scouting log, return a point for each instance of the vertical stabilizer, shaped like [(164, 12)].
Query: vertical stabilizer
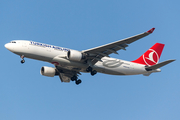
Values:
[(151, 56)]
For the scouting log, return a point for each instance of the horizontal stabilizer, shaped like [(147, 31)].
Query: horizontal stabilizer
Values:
[(153, 67)]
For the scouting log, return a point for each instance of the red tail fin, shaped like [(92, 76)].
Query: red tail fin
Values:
[(152, 56)]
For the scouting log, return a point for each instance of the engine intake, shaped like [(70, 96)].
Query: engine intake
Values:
[(75, 55), (48, 71)]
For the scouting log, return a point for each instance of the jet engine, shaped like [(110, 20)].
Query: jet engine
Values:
[(75, 55), (48, 71)]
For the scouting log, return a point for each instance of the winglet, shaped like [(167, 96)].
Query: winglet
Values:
[(151, 30)]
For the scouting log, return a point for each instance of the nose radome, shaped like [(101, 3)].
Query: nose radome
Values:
[(8, 46)]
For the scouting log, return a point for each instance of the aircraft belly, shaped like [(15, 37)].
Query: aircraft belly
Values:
[(70, 65), (38, 57)]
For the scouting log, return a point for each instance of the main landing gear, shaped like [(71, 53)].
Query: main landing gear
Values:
[(90, 69), (77, 81), (22, 57)]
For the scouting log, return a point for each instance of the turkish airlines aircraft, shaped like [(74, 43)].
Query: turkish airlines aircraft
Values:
[(69, 63)]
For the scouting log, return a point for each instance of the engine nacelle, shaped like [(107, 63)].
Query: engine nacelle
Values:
[(75, 55), (48, 71)]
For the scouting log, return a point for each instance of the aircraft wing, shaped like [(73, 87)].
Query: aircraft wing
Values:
[(105, 50)]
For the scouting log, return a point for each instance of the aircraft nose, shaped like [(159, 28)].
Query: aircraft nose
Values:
[(8, 46)]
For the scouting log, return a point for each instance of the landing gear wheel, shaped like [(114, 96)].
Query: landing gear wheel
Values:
[(93, 72), (78, 82), (22, 61), (74, 78), (89, 69)]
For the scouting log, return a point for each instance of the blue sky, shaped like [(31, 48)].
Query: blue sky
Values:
[(80, 24)]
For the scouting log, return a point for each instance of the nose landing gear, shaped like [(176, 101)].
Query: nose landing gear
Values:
[(22, 57)]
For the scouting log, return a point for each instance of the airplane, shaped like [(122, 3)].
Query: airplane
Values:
[(70, 63)]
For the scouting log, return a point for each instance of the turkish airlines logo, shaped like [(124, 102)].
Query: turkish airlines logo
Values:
[(151, 57)]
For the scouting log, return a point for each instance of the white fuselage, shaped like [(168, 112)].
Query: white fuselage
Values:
[(58, 56)]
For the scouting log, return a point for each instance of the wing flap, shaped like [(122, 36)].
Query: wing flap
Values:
[(65, 75), (64, 78)]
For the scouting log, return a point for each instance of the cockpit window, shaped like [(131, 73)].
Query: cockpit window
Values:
[(12, 42)]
